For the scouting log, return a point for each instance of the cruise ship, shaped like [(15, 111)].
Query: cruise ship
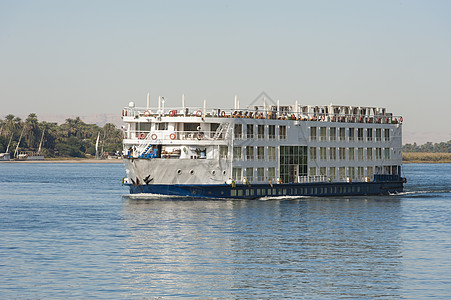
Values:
[(267, 150)]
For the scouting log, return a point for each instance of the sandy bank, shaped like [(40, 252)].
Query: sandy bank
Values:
[(67, 161)]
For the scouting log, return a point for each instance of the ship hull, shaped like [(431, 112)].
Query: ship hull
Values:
[(255, 191)]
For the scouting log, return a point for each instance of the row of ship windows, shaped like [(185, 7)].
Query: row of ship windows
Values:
[(315, 174), (349, 134), (297, 191), (321, 153), (260, 132)]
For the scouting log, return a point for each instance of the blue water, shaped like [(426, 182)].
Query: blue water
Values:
[(68, 231)]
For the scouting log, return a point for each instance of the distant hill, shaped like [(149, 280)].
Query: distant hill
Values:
[(98, 119)]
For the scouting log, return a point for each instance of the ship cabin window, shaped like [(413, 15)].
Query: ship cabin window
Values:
[(323, 153), (387, 134), (260, 174), (237, 174), (378, 153), (387, 153), (272, 174), (312, 171), (161, 126), (351, 134), (250, 131), (237, 153), (213, 128), (142, 128), (351, 172), (271, 132), (223, 152), (360, 134), (322, 133), (191, 126), (260, 153), (378, 134), (351, 154), (342, 173), (342, 134), (342, 153), (332, 173), (360, 173), (322, 171), (333, 153), (313, 133), (283, 132), (369, 134), (333, 133), (249, 153), (250, 174), (369, 154), (272, 153), (260, 132), (238, 131), (369, 172), (312, 153), (360, 153)]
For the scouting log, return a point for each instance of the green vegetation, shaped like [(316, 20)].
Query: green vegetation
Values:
[(443, 147), (430, 153), (74, 138)]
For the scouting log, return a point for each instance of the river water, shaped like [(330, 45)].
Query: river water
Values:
[(71, 231)]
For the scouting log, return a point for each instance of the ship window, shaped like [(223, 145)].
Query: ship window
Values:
[(369, 173), (247, 192), (237, 153), (342, 153), (387, 153), (313, 133), (360, 134), (333, 133), (249, 153), (369, 134), (312, 171), (312, 151), (261, 132), (213, 172), (224, 172), (323, 153), (236, 174), (351, 134), (190, 126), (179, 172), (240, 192), (342, 133), (351, 172), (351, 153), (387, 134), (272, 174), (322, 133), (269, 192), (360, 173), (332, 173), (233, 193), (271, 132), (223, 152), (214, 127), (260, 174), (143, 127), (271, 153), (250, 174), (322, 171), (191, 172), (369, 153), (378, 153), (161, 126), (259, 192), (293, 163), (378, 134), (238, 131), (283, 132), (342, 173), (250, 131), (360, 153), (333, 153), (260, 153)]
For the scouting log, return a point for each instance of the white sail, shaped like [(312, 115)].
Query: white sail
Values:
[(18, 143), (40, 143), (97, 146)]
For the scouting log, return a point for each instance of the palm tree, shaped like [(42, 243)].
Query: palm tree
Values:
[(31, 129)]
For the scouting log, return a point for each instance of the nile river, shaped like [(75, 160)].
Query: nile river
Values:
[(68, 231)]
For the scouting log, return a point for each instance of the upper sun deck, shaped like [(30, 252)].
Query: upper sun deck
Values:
[(329, 113)]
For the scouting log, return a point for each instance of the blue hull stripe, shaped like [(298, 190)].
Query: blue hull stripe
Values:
[(254, 191)]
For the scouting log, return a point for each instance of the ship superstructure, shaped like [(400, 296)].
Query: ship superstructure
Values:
[(259, 151)]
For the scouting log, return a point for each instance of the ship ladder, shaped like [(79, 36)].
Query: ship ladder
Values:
[(220, 129)]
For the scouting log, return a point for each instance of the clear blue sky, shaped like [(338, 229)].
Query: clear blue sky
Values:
[(87, 57)]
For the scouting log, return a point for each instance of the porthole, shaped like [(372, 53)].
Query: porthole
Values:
[(191, 172), (213, 172), (223, 172), (179, 172)]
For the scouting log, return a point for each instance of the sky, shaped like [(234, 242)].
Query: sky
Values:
[(93, 57)]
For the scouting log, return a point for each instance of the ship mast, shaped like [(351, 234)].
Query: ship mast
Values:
[(17, 147), (40, 143)]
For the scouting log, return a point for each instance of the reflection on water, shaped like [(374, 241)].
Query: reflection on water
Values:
[(297, 248)]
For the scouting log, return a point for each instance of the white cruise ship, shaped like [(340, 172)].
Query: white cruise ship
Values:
[(262, 151)]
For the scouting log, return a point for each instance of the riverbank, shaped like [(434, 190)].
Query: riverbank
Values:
[(422, 157)]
